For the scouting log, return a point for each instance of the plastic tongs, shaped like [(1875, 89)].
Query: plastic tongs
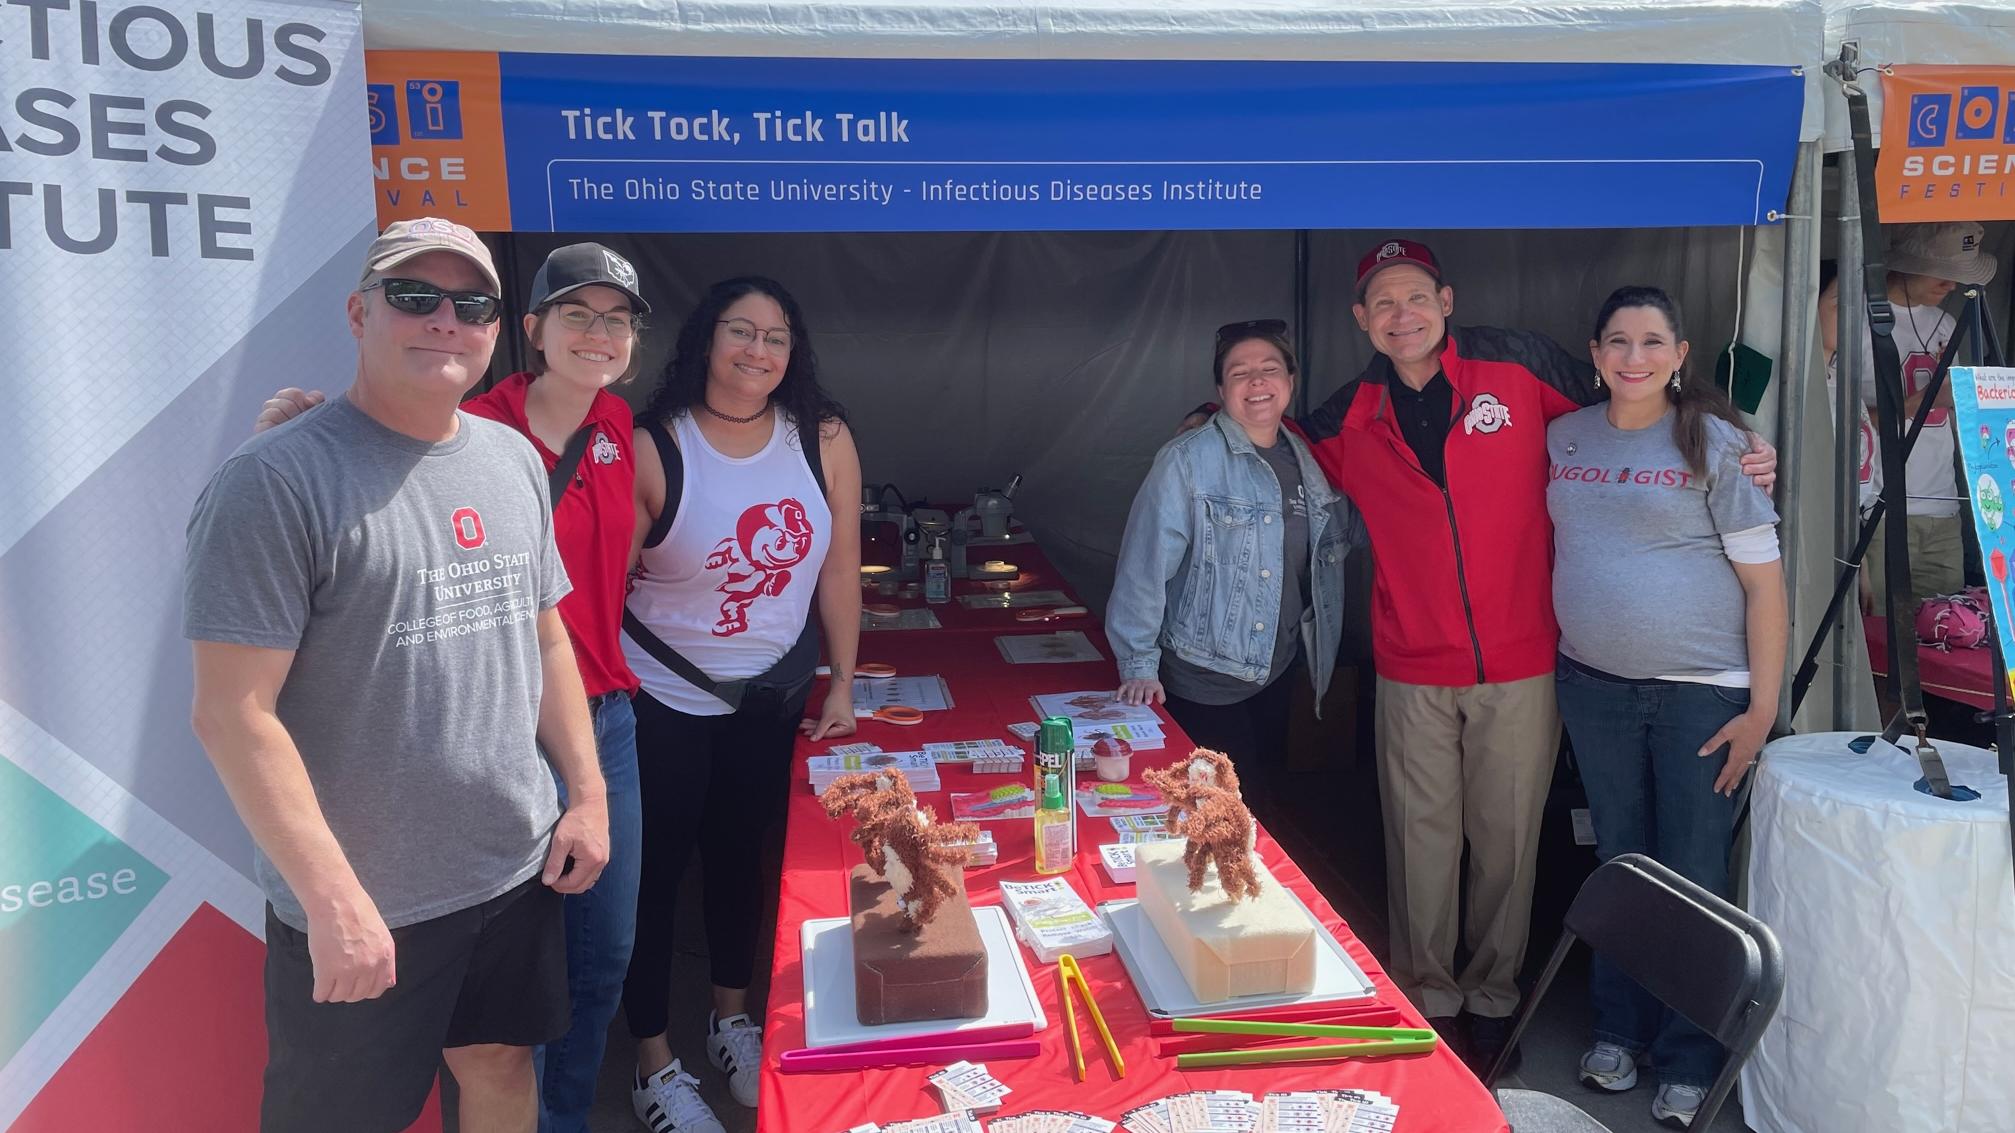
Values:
[(1068, 974), (1381, 1041)]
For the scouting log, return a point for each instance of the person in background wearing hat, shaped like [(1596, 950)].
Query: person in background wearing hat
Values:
[(1230, 574), (1441, 445), (1927, 262), (584, 327), (380, 661)]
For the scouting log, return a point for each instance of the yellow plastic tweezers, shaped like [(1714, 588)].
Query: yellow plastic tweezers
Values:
[(1067, 974)]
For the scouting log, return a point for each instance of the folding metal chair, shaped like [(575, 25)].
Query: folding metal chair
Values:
[(1702, 957)]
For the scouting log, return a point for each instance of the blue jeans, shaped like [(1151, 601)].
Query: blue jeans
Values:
[(601, 926), (1651, 792)]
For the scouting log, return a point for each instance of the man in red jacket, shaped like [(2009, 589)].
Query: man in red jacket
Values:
[(1441, 444)]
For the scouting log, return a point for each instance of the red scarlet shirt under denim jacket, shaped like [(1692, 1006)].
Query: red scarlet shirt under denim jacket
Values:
[(591, 526)]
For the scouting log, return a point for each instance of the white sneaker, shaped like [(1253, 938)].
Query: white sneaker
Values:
[(1675, 1105), (1607, 1066), (669, 1102), (735, 1047)]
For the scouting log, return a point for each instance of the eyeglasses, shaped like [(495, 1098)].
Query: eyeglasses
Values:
[(1232, 332), (617, 324), (742, 332), (418, 297)]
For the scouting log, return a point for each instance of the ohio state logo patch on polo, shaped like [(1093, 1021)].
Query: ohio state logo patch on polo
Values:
[(1486, 414)]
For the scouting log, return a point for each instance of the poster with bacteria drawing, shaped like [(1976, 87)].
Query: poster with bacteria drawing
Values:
[(1983, 398)]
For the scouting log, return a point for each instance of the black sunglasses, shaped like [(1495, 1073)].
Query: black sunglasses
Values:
[(417, 297), (1232, 332)]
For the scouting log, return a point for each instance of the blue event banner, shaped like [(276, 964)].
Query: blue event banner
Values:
[(676, 144), (1983, 402)]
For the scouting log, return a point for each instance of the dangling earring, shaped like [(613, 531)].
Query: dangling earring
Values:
[(1675, 381), (1598, 379)]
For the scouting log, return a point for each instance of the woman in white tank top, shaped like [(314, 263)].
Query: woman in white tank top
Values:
[(737, 563)]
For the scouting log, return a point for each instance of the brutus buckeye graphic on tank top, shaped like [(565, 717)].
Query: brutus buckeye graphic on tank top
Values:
[(756, 562), (731, 584)]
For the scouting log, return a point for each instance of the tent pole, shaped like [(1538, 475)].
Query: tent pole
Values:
[(1794, 366), (1848, 380), (1303, 340)]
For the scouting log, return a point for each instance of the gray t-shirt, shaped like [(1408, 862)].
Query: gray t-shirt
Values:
[(1641, 585), (1207, 686), (407, 578)]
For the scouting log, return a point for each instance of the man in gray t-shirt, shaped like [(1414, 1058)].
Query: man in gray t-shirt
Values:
[(371, 594)]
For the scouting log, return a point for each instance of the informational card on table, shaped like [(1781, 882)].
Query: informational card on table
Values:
[(1983, 400), (919, 617), (1096, 707), (926, 693), (1060, 648)]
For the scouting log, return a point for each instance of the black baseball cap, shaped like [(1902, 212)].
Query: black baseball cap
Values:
[(576, 266)]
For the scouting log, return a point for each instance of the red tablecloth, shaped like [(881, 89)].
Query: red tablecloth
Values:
[(1435, 1092), (1964, 675)]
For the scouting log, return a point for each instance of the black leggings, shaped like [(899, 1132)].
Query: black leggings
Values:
[(1253, 731), (718, 783)]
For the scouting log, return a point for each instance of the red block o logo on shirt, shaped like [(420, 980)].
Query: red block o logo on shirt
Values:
[(468, 528)]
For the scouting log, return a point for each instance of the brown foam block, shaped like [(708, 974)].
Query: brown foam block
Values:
[(901, 975)]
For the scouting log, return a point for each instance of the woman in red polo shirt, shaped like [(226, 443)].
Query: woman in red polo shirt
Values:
[(586, 314)]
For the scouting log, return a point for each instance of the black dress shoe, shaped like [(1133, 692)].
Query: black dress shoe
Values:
[(1487, 1039)]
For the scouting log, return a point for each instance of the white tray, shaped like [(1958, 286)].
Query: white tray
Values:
[(829, 985), (1166, 994)]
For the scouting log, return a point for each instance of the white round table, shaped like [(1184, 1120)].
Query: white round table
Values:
[(1897, 915)]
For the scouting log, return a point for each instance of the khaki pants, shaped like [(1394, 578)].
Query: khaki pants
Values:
[(1937, 558), (1473, 762)]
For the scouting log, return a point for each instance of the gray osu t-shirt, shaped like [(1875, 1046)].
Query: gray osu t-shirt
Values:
[(407, 578)]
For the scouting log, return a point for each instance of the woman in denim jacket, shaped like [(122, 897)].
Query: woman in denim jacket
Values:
[(1230, 575)]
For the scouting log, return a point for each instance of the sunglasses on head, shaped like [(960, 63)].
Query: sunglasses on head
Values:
[(418, 297), (1231, 332)]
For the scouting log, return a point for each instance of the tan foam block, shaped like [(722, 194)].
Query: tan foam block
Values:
[(936, 972), (1264, 945)]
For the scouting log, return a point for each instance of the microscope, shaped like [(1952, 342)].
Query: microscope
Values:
[(876, 518), (994, 508)]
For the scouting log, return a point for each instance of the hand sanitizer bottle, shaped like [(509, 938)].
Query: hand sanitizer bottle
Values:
[(1054, 851), (937, 577)]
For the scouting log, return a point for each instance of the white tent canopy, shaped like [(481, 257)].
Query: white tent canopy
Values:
[(1912, 31), (1757, 32)]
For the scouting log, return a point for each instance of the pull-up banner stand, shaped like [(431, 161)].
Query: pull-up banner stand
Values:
[(558, 143), (183, 207)]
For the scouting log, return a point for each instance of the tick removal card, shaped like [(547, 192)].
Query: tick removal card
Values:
[(926, 693)]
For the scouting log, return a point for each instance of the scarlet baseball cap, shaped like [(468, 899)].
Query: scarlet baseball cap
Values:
[(404, 239), (1393, 252)]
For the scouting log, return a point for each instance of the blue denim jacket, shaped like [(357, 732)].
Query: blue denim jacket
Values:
[(1199, 568)]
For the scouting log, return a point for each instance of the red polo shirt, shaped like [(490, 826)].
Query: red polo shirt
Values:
[(591, 526)]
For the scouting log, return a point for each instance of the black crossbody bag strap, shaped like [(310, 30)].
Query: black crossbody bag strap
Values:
[(800, 658), (563, 472)]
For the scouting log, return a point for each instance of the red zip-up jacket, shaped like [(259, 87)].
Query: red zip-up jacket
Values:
[(1462, 592)]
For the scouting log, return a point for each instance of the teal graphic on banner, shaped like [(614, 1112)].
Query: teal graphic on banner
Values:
[(1983, 400), (67, 890)]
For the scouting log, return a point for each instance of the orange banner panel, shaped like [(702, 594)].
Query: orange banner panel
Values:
[(1948, 144), (437, 137)]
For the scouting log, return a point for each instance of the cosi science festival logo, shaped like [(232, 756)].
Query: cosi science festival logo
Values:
[(1979, 120), (433, 113)]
